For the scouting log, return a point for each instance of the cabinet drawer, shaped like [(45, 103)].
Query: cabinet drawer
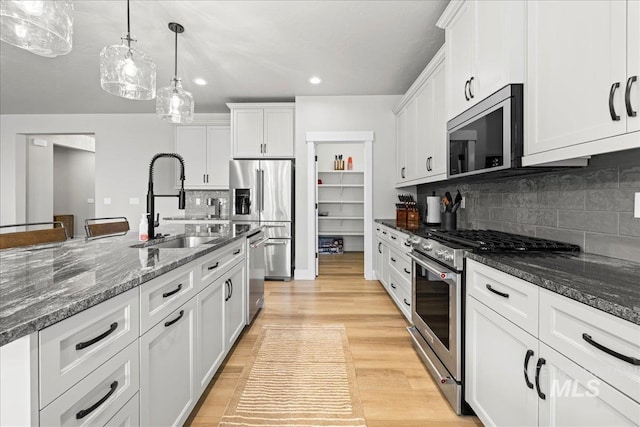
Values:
[(70, 350), (128, 416), (162, 295), (513, 298), (401, 263), (399, 240), (99, 396), (220, 261), (378, 229), (568, 326), (400, 290)]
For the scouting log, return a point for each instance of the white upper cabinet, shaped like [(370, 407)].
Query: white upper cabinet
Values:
[(206, 151), (485, 49), (633, 67), (577, 73), (421, 127), (262, 130)]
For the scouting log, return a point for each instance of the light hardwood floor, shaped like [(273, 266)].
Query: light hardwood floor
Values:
[(395, 387)]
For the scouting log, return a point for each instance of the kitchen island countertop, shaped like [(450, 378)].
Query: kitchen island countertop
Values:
[(608, 284), (42, 285)]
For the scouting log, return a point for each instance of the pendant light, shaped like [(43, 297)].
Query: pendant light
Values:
[(173, 103), (43, 27), (125, 71)]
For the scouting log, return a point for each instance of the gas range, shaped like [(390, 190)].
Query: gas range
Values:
[(449, 247)]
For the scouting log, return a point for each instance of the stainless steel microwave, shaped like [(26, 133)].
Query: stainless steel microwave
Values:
[(488, 136)]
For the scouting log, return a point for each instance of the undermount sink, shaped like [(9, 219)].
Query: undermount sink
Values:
[(180, 242)]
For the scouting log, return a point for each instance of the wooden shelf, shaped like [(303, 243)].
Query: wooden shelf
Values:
[(345, 171), (342, 202), (341, 217), (341, 185), (341, 233)]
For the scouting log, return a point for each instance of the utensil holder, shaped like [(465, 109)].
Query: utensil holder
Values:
[(449, 221)]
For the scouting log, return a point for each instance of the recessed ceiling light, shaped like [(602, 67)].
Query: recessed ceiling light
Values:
[(315, 80), (200, 81)]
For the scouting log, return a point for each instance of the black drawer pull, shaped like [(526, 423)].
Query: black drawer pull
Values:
[(171, 322), (407, 244), (214, 266), (470, 93), (91, 342), (502, 294), (175, 291), (384, 232), (393, 237), (526, 366), (612, 109), (237, 251), (407, 271), (628, 359), (379, 250), (230, 287), (466, 85), (84, 412), (393, 259), (393, 286), (228, 291), (627, 96), (405, 301), (541, 362)]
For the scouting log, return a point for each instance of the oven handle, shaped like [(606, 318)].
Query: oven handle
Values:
[(444, 275)]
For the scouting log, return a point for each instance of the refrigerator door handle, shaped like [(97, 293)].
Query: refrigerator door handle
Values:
[(258, 190), (262, 190)]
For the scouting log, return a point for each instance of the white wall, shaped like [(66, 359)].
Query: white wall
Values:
[(125, 144), (73, 185), (39, 182), (345, 113)]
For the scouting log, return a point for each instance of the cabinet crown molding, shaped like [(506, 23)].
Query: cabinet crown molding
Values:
[(437, 59), (233, 105), (449, 13), (217, 122)]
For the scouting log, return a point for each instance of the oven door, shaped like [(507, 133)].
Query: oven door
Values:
[(435, 310)]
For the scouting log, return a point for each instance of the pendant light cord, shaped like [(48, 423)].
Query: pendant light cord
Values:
[(128, 27), (176, 57)]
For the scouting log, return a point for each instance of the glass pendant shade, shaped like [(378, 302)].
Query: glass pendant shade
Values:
[(43, 27), (127, 72), (174, 104)]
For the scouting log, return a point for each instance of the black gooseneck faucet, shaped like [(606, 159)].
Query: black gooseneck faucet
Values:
[(151, 197)]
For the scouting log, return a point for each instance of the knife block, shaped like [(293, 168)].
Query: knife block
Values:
[(413, 219), (401, 216)]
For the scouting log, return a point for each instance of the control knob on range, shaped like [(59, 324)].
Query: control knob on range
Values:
[(440, 253), (427, 247), (448, 256)]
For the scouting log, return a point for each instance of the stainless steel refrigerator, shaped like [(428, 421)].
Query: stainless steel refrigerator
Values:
[(262, 191)]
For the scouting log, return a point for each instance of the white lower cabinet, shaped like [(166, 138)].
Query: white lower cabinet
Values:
[(98, 397), (516, 378), (128, 416), (235, 303), (393, 266), (167, 361), (575, 397), (210, 343), (495, 356)]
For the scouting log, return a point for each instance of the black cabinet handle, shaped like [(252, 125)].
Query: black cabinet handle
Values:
[(384, 232), (627, 96), (228, 291), (407, 271), (612, 109), (466, 85), (171, 322), (628, 359), (393, 286), (230, 287), (526, 367), (402, 172), (214, 266), (379, 250), (84, 412), (502, 294), (394, 237), (405, 301), (175, 291), (407, 244), (236, 252), (541, 362), (470, 93), (92, 341), (393, 259)]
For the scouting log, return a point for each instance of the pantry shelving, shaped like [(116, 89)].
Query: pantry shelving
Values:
[(340, 203)]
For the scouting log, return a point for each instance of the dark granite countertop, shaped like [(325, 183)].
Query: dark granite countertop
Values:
[(42, 285), (608, 284), (203, 218)]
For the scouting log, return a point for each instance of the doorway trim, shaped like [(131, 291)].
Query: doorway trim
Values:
[(362, 137)]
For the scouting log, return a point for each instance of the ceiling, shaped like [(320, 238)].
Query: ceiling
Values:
[(248, 51)]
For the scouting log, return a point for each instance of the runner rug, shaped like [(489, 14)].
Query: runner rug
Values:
[(298, 376)]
